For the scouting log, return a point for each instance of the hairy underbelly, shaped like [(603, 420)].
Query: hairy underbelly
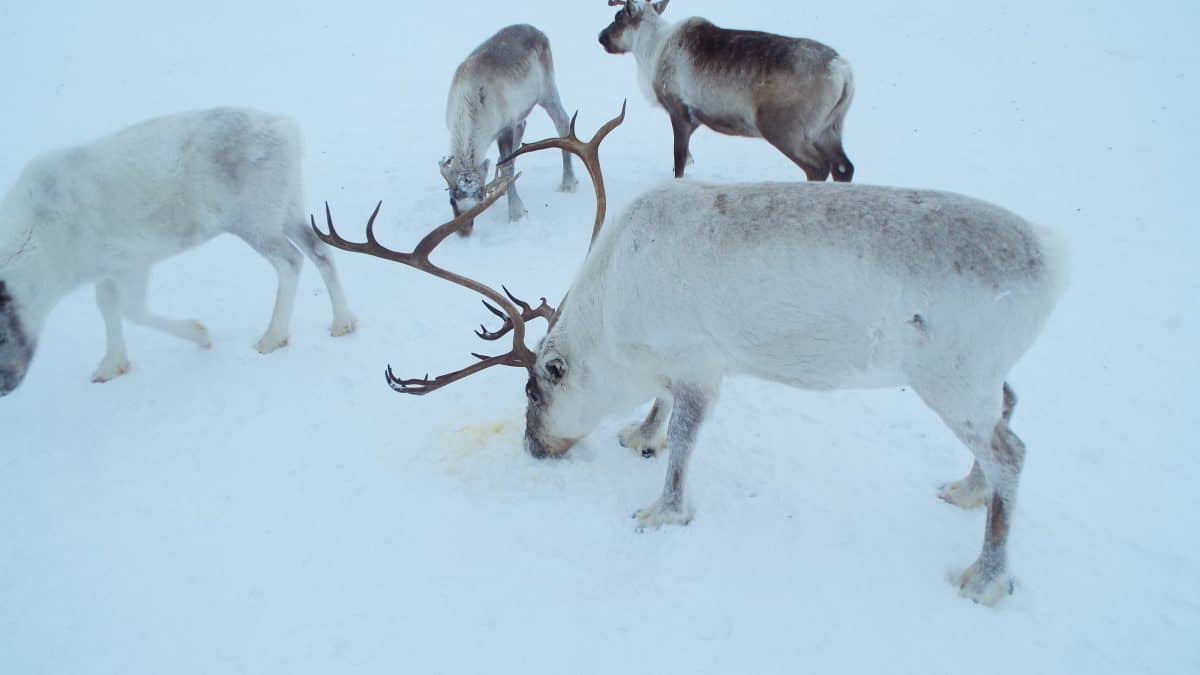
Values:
[(730, 122)]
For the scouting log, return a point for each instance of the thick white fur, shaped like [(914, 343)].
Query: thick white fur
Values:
[(106, 212), (816, 285)]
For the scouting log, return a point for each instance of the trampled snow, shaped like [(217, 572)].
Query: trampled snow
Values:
[(226, 512)]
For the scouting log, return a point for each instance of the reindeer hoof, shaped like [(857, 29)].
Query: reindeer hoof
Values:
[(569, 186), (655, 516), (984, 587), (110, 371), (268, 345), (963, 494), (195, 332), (344, 326), (634, 438)]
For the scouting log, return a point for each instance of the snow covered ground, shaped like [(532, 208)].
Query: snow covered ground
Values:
[(225, 512)]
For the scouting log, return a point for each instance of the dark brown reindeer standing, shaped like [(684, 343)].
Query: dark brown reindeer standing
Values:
[(512, 310), (792, 92)]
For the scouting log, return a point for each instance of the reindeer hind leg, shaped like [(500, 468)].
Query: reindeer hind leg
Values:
[(976, 415), (279, 251), (302, 236), (779, 131), (562, 124), (835, 157)]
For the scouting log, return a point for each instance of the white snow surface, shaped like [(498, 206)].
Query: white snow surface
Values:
[(226, 512)]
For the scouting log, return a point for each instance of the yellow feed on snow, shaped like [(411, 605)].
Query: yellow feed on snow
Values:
[(491, 456)]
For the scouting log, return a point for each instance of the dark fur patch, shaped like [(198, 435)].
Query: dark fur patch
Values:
[(615, 30), (746, 52), (16, 349), (1010, 402)]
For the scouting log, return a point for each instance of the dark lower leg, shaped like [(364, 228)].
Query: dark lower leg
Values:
[(683, 130), (506, 142)]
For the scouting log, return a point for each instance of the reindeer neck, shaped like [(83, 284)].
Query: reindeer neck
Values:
[(651, 40), (466, 118)]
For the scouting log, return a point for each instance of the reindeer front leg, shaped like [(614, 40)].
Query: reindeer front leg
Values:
[(691, 404), (683, 128), (116, 360), (508, 141), (647, 437)]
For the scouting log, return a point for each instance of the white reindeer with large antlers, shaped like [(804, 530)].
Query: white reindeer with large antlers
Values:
[(818, 286), (108, 211)]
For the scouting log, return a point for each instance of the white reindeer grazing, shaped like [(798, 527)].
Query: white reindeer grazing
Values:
[(492, 93), (792, 92), (816, 285), (106, 212)]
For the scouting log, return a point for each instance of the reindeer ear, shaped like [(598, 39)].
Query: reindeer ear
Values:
[(444, 166), (483, 170), (660, 6)]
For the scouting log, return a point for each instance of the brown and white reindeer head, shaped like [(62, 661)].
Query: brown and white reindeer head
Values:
[(16, 344), (22, 312), (550, 378), (620, 37), (466, 183)]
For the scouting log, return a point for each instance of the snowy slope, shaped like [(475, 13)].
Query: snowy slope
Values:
[(224, 512)]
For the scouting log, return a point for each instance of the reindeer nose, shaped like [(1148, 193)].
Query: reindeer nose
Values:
[(535, 447)]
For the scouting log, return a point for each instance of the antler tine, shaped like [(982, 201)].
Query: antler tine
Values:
[(608, 127), (571, 130), (371, 246), (370, 222), (420, 255), (424, 385), (528, 313), (418, 258), (588, 153)]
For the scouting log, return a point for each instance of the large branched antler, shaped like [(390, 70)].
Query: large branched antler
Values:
[(519, 356), (588, 153), (514, 311)]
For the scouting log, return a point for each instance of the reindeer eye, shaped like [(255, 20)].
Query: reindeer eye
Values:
[(531, 391), (556, 369)]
